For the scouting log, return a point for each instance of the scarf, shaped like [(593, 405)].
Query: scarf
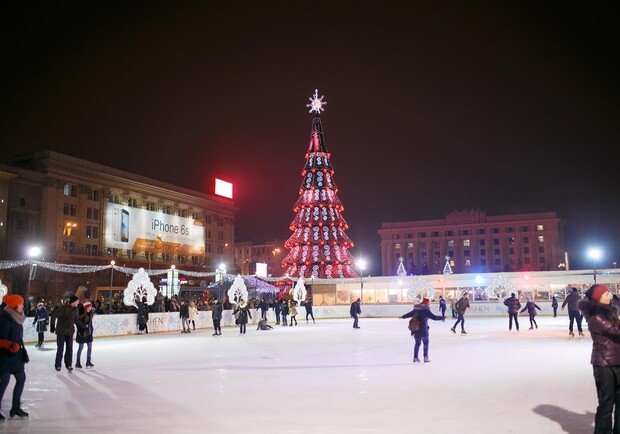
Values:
[(18, 317)]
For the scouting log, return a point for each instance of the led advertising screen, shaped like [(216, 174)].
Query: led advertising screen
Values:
[(155, 232), (223, 188)]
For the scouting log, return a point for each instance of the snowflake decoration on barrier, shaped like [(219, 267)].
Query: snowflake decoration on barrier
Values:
[(299, 292), (316, 103), (3, 289), (500, 288), (238, 290), (420, 289), (139, 287)]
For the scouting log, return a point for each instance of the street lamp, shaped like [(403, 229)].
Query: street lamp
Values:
[(111, 284), (595, 254), (361, 264), (222, 273), (33, 252)]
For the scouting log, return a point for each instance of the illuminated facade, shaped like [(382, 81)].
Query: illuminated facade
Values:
[(247, 254)]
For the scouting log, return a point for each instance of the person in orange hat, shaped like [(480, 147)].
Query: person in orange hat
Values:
[(419, 331), (13, 355)]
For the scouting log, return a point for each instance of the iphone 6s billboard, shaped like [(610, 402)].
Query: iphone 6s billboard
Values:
[(147, 231)]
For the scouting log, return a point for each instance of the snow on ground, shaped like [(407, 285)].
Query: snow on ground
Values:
[(319, 378)]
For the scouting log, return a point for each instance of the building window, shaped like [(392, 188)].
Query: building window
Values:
[(467, 263), (70, 190), (448, 233), (466, 252), (436, 244), (451, 253), (541, 260), (526, 250), (408, 235), (89, 231), (87, 249), (526, 240), (93, 250), (450, 243), (482, 242), (208, 234), (423, 255), (65, 246), (397, 246), (435, 234), (208, 219), (394, 236), (71, 247), (481, 231), (541, 239), (220, 237), (540, 228), (483, 262), (511, 240), (509, 230), (73, 210), (524, 228), (65, 209), (422, 245), (526, 260), (496, 252), (422, 234), (511, 251), (466, 243), (95, 213), (496, 241), (208, 247), (96, 195), (496, 230), (465, 232), (541, 249), (95, 232), (410, 245), (89, 213), (483, 252), (220, 250)]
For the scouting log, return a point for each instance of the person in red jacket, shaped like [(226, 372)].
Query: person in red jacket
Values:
[(604, 327)]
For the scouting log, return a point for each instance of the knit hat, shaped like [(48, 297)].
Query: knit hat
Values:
[(72, 299), (86, 304), (13, 300), (595, 292), (426, 302)]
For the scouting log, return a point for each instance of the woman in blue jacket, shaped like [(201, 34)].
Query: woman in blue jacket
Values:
[(41, 318), (423, 311)]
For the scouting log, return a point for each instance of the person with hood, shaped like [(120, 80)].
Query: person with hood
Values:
[(308, 307), (421, 335), (184, 315), (514, 305), (461, 306), (84, 324), (531, 307), (143, 316), (244, 312), (216, 315), (573, 312), (354, 311), (293, 312), (193, 314), (41, 318), (604, 327), (63, 324), (13, 355)]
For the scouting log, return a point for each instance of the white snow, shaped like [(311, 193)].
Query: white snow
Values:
[(319, 378)]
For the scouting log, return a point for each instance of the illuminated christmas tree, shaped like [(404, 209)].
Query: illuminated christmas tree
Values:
[(318, 246)]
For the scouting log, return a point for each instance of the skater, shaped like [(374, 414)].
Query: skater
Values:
[(262, 325), (461, 306), (41, 318), (573, 311), (554, 305), (143, 316), (285, 311), (308, 306), (184, 315), (84, 324), (63, 323), (442, 307), (244, 312), (603, 323), (531, 307), (293, 312), (13, 355), (193, 314), (421, 335), (513, 310), (216, 316), (264, 307), (355, 310), (277, 307), (453, 307)]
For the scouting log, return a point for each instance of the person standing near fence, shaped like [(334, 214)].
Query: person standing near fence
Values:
[(293, 312), (554, 306), (308, 307), (573, 312), (244, 312), (84, 335), (442, 307), (184, 315), (453, 307), (216, 316), (277, 307), (193, 314), (63, 323), (285, 311), (41, 318)]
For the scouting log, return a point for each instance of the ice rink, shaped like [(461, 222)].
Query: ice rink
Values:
[(319, 378)]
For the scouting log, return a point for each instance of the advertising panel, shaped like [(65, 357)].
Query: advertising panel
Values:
[(155, 232)]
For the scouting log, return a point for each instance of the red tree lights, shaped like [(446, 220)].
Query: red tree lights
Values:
[(319, 246)]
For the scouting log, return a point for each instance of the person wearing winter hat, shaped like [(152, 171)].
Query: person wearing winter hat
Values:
[(84, 335), (13, 355), (423, 312), (604, 327), (244, 312), (531, 307), (41, 318), (572, 301), (63, 323)]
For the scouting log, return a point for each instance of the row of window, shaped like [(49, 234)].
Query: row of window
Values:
[(479, 231), (467, 252), (467, 243)]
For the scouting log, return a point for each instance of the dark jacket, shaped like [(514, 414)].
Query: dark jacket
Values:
[(462, 305), (216, 313), (531, 307), (554, 302), (604, 331), (10, 332), (143, 313), (308, 306), (424, 313), (84, 324), (263, 306), (572, 301), (41, 318), (355, 308), (184, 311), (244, 312), (277, 306), (63, 320), (284, 308), (442, 304), (513, 304)]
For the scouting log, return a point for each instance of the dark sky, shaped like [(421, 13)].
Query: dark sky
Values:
[(509, 108)]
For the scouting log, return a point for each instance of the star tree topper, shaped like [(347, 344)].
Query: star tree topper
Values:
[(316, 103)]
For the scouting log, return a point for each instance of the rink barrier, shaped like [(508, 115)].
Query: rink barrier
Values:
[(126, 324)]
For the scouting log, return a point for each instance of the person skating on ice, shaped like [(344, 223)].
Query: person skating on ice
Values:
[(461, 306), (63, 323), (285, 311), (531, 307), (84, 335), (293, 312), (554, 306), (308, 307), (355, 310), (244, 312), (216, 316), (41, 318), (442, 307), (513, 305), (573, 311), (421, 336)]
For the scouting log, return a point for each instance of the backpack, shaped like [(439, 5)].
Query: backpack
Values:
[(414, 323)]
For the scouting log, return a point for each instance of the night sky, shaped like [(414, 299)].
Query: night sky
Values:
[(508, 108)]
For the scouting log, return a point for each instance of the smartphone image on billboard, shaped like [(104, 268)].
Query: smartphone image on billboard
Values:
[(124, 226)]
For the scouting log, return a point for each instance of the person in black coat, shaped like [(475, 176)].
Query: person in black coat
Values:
[(277, 307), (41, 318), (572, 301), (423, 311), (244, 312), (284, 312), (13, 356), (63, 323), (554, 305), (264, 307), (184, 314), (308, 306), (513, 310), (355, 310), (531, 307), (442, 306), (216, 316), (84, 324)]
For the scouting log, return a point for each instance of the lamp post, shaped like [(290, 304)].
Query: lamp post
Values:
[(111, 284), (222, 273), (361, 264), (171, 286), (33, 252), (595, 254)]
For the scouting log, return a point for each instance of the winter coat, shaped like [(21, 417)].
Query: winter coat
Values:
[(216, 313), (355, 308), (308, 306), (143, 313), (263, 306), (572, 301), (442, 304), (293, 310), (554, 303), (41, 318), (184, 311), (84, 324), (462, 305), (453, 303), (10, 332), (285, 309), (424, 313), (278, 306), (244, 313), (604, 331), (513, 304), (531, 307), (193, 313), (63, 320)]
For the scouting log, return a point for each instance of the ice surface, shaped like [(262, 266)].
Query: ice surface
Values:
[(319, 378)]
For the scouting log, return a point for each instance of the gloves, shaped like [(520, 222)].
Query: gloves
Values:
[(14, 347)]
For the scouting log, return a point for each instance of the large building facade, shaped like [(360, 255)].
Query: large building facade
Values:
[(271, 253), (79, 212), (475, 242)]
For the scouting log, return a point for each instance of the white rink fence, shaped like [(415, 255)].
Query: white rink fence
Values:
[(160, 322)]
